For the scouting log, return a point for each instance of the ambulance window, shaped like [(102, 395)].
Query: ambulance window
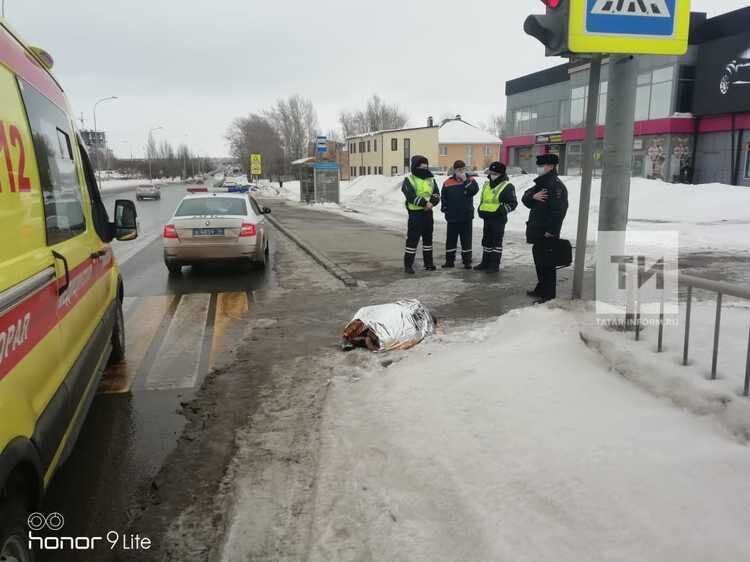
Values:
[(57, 169)]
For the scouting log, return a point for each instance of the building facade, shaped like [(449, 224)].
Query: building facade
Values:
[(460, 140), (389, 152), (691, 111)]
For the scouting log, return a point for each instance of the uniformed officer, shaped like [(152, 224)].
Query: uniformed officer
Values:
[(421, 193), (548, 201), (498, 200), (457, 204)]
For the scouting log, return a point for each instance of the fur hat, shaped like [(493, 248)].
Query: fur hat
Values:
[(547, 160), (497, 168)]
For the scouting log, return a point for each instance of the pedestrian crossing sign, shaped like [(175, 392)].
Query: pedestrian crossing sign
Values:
[(654, 27)]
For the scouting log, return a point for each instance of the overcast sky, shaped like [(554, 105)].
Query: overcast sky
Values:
[(191, 66)]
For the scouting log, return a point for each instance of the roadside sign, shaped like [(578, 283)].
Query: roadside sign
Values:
[(322, 144), (651, 27), (256, 165), (326, 166)]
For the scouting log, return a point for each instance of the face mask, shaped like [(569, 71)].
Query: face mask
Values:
[(493, 177)]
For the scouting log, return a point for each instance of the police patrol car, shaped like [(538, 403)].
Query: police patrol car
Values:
[(60, 290)]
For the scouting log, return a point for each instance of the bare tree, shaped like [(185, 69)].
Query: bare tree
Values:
[(254, 134), (495, 125), (296, 123), (376, 116)]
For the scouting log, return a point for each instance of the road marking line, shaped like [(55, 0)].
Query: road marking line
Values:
[(144, 316), (178, 363), (127, 305), (230, 307)]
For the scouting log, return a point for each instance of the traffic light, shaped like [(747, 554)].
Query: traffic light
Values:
[(552, 28)]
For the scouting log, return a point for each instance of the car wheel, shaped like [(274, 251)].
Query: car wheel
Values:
[(264, 259), (174, 269), (725, 84), (118, 336), (13, 537)]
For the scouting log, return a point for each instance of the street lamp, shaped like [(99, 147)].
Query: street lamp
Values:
[(96, 152), (148, 152)]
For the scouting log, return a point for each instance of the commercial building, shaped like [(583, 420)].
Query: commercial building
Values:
[(692, 112), (460, 140)]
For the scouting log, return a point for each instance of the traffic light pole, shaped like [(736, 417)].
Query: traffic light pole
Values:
[(618, 144), (588, 173)]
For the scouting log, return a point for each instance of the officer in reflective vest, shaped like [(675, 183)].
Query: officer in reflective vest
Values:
[(422, 194), (498, 200)]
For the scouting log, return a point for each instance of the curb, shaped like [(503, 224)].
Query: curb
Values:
[(323, 260)]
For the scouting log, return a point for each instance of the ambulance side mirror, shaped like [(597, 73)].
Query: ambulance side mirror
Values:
[(126, 220)]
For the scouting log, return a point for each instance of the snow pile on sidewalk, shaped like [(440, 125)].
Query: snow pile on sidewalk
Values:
[(711, 217), (514, 440)]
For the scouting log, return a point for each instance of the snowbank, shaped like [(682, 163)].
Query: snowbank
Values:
[(514, 440), (710, 218)]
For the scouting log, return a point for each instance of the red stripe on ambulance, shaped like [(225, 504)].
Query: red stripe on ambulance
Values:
[(28, 323)]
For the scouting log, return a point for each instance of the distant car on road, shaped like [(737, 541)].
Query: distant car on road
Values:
[(147, 191), (736, 73), (214, 227)]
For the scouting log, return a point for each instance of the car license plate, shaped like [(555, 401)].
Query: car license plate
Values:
[(208, 232)]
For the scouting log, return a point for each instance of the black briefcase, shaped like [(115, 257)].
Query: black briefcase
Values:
[(557, 252)]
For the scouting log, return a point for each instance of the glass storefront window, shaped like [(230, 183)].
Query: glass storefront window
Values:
[(661, 100), (577, 112), (642, 100), (664, 74)]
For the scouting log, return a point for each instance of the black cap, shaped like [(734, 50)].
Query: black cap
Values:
[(547, 160), (417, 161), (458, 164), (498, 168)]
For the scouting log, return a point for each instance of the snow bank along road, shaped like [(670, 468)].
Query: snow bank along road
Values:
[(511, 440), (530, 436)]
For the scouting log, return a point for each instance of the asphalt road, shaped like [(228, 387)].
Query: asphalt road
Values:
[(178, 329)]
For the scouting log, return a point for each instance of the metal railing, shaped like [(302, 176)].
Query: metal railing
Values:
[(721, 289)]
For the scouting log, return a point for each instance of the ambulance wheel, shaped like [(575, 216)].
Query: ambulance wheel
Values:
[(174, 269), (118, 336), (13, 539)]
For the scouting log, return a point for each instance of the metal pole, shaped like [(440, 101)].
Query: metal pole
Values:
[(618, 144), (588, 174), (661, 323), (687, 325), (717, 331), (747, 368), (96, 151)]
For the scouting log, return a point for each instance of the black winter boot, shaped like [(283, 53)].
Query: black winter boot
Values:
[(429, 265), (466, 257), (409, 264), (450, 260), (494, 264), (486, 256)]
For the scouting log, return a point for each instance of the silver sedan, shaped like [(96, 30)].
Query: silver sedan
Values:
[(216, 227)]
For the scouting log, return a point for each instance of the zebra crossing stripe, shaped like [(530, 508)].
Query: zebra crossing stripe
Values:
[(143, 318), (230, 308), (178, 363)]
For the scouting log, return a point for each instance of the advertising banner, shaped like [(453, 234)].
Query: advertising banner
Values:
[(722, 83)]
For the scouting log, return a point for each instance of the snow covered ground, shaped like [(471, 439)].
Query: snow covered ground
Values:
[(515, 440), (709, 218)]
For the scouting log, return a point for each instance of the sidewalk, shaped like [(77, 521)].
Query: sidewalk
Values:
[(374, 255)]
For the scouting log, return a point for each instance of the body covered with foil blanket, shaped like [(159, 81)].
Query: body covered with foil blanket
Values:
[(386, 327)]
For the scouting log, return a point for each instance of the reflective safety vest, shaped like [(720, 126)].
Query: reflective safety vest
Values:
[(491, 197), (423, 189)]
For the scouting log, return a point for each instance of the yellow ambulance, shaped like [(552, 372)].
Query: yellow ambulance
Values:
[(61, 293)]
